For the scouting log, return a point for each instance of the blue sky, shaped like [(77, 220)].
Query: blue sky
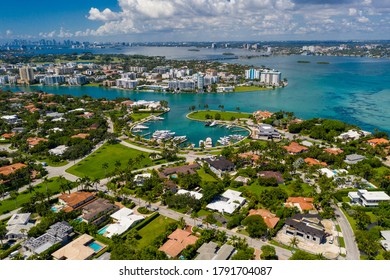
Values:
[(195, 20)]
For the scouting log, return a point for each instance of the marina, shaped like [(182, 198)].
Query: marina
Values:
[(318, 94)]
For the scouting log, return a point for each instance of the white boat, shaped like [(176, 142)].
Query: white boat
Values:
[(163, 134), (224, 141), (156, 118), (208, 143), (179, 139), (201, 143), (140, 126), (213, 123), (137, 130)]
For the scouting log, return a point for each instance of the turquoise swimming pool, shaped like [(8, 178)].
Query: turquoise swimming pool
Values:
[(103, 230), (95, 246)]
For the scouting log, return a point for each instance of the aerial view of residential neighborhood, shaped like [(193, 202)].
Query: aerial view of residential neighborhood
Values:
[(124, 136)]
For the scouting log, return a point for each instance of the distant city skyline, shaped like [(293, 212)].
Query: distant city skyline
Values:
[(196, 20)]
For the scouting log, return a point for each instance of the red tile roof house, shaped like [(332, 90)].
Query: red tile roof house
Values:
[(294, 148), (33, 141), (10, 169), (302, 203), (272, 174), (178, 241), (270, 219), (378, 141), (313, 161), (8, 135), (81, 135), (334, 151), (184, 169), (75, 200), (249, 156)]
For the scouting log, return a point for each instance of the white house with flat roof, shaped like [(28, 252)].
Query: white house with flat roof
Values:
[(332, 173), (368, 199), (10, 119), (58, 151), (354, 158), (124, 219), (18, 226), (228, 202), (386, 242), (196, 195), (353, 134)]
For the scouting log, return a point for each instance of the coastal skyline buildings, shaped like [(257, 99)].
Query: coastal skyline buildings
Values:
[(26, 74), (208, 20)]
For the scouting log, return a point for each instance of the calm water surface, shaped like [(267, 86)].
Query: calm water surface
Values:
[(354, 90)]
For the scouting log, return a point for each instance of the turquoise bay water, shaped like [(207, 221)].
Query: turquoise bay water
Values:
[(354, 90)]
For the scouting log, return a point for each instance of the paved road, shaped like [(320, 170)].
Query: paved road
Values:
[(282, 253), (349, 238)]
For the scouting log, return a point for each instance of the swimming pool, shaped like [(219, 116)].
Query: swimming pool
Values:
[(103, 230), (95, 246), (54, 209)]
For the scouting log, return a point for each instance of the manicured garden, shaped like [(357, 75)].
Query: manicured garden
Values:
[(53, 185), (152, 230), (227, 116), (107, 158)]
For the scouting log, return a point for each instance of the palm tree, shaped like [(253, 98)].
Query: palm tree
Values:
[(87, 182), (95, 182), (14, 195), (80, 182), (194, 215), (153, 155), (49, 193), (30, 188), (117, 165), (182, 223), (46, 182), (105, 167), (294, 242), (233, 239)]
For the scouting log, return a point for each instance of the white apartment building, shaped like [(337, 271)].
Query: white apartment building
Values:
[(126, 83)]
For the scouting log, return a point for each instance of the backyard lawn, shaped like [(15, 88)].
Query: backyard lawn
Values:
[(49, 162), (9, 204), (152, 230), (92, 166), (257, 189), (139, 116), (206, 177)]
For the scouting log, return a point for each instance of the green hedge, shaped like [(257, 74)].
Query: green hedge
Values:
[(6, 253), (143, 223), (147, 221), (101, 253), (103, 239)]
